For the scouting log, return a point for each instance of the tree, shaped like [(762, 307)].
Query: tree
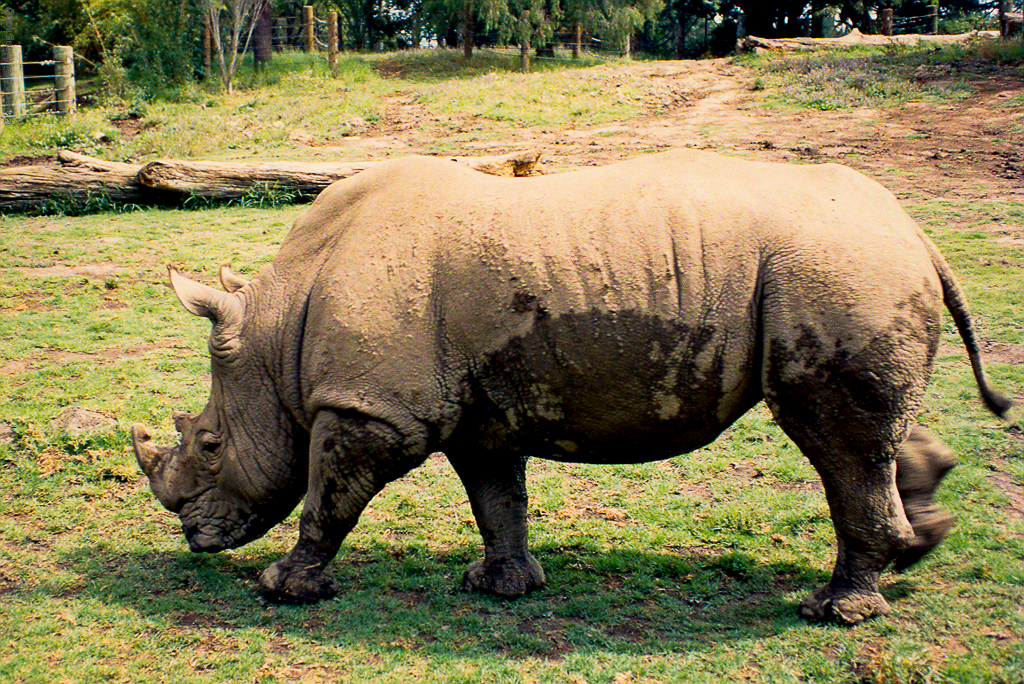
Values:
[(624, 17), (263, 46), (581, 15), (679, 18), (240, 15), (528, 22)]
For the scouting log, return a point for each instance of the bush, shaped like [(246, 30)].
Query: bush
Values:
[(971, 21), (1001, 51), (144, 46)]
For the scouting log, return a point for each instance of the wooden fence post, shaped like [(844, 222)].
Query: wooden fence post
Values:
[(307, 25), (64, 80), (887, 21), (332, 41), (935, 19), (12, 78)]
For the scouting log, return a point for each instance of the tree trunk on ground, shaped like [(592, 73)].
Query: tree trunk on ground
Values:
[(80, 178), (858, 38)]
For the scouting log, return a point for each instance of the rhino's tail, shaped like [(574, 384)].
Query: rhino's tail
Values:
[(956, 303)]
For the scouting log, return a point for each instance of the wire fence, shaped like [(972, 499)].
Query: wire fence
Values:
[(47, 89), (924, 23), (290, 33)]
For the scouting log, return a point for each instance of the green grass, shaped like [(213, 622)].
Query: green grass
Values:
[(562, 98), (298, 95), (861, 77)]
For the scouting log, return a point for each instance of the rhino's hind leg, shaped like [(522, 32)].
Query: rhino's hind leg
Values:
[(496, 485), (856, 461), (923, 460), (870, 531), (351, 458)]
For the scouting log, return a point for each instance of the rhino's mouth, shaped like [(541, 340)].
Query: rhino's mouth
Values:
[(210, 525)]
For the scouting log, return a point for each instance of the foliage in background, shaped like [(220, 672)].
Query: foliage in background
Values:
[(141, 47), (150, 46), (37, 25)]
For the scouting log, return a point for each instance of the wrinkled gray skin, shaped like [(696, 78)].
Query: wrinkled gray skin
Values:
[(613, 315)]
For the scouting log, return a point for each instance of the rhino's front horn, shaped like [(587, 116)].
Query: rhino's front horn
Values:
[(223, 308), (231, 281), (151, 456)]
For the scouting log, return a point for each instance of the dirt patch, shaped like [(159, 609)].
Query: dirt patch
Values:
[(98, 271), (551, 632), (131, 125), (992, 352), (1003, 481), (76, 420), (634, 631), (34, 160), (203, 621)]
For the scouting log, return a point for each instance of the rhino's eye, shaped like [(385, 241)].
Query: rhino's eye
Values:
[(208, 444)]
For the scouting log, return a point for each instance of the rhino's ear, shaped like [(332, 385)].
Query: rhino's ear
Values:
[(223, 308), (229, 280)]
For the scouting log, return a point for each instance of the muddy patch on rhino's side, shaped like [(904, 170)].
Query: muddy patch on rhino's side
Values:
[(654, 400)]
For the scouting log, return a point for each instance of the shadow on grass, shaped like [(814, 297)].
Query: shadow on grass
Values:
[(410, 597)]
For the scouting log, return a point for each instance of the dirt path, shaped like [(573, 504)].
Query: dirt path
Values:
[(968, 149)]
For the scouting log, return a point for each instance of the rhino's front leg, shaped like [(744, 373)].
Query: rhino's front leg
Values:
[(496, 485), (351, 458)]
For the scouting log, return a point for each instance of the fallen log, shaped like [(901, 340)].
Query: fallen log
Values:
[(855, 37), (225, 180), (77, 178), (167, 181)]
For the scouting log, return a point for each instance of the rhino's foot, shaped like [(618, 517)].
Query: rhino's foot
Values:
[(931, 525), (288, 582), (842, 606), (508, 577)]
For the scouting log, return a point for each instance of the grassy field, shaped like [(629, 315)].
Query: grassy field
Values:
[(688, 570), (300, 94)]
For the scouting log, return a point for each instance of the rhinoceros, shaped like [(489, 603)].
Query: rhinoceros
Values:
[(609, 315)]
